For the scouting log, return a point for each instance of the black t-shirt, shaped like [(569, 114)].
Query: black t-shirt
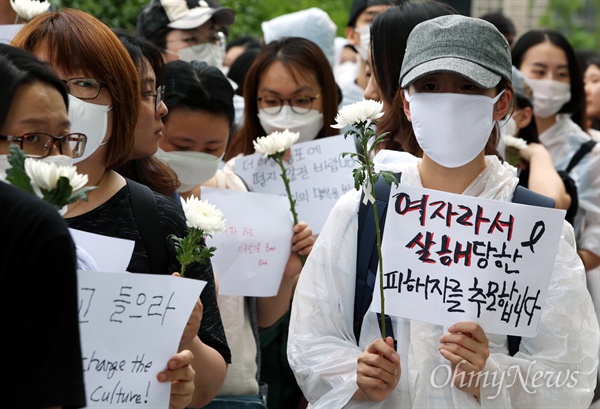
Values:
[(115, 218), (41, 351)]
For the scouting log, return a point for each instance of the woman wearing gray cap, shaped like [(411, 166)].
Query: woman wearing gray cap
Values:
[(456, 79)]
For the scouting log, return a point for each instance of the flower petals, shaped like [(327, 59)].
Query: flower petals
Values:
[(361, 111), (275, 142), (202, 215)]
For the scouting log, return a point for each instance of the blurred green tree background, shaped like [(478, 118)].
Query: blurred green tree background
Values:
[(563, 15), (249, 13)]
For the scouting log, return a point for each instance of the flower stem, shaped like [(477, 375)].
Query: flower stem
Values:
[(376, 217), (286, 182), (369, 169)]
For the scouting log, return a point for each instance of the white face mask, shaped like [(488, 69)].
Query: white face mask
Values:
[(59, 160), (192, 168), (210, 53), (365, 38), (549, 96), (509, 127), (308, 124), (91, 120), (452, 129)]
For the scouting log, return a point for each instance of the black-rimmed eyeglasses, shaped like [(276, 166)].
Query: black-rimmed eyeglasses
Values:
[(84, 88), (40, 145), (272, 105)]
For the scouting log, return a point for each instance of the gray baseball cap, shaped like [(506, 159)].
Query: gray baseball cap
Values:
[(466, 46)]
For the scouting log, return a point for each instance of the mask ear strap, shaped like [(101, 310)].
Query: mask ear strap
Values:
[(407, 96), (497, 97)]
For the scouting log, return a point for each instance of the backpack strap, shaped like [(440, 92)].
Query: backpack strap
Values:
[(145, 213), (583, 150), (367, 258), (525, 196)]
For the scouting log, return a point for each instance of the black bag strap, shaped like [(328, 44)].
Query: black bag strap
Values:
[(525, 196), (367, 258), (583, 150), (145, 213)]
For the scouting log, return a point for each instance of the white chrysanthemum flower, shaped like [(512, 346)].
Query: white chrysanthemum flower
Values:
[(45, 175), (514, 142), (275, 142), (202, 215), (28, 9), (361, 111)]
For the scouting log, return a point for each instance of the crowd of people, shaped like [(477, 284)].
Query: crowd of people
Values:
[(153, 116)]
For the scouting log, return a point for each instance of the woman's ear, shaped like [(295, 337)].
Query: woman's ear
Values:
[(503, 105), (405, 104), (524, 117)]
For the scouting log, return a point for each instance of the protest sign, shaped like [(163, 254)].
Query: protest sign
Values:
[(317, 172), (450, 258), (109, 254), (252, 252), (131, 325)]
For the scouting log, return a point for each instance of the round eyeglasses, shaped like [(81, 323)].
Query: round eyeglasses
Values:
[(40, 145), (84, 88), (272, 105)]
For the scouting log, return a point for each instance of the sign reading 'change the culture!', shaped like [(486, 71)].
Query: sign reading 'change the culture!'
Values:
[(450, 258), (131, 325)]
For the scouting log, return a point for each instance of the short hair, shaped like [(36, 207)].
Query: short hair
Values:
[(294, 53), (19, 67), (74, 38), (198, 86), (504, 24), (239, 68), (244, 41), (576, 105)]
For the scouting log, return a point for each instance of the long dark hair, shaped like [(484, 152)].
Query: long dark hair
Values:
[(198, 86), (18, 67), (294, 53), (576, 105), (148, 170), (389, 33)]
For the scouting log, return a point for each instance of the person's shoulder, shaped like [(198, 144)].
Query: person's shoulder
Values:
[(28, 209)]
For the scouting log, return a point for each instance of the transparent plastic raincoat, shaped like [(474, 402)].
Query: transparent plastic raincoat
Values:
[(323, 352)]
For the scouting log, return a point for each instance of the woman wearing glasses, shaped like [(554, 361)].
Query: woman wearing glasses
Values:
[(143, 167), (291, 86), (105, 93), (36, 244)]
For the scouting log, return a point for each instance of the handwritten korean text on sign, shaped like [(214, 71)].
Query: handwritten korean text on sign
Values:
[(253, 251), (317, 172), (450, 258)]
